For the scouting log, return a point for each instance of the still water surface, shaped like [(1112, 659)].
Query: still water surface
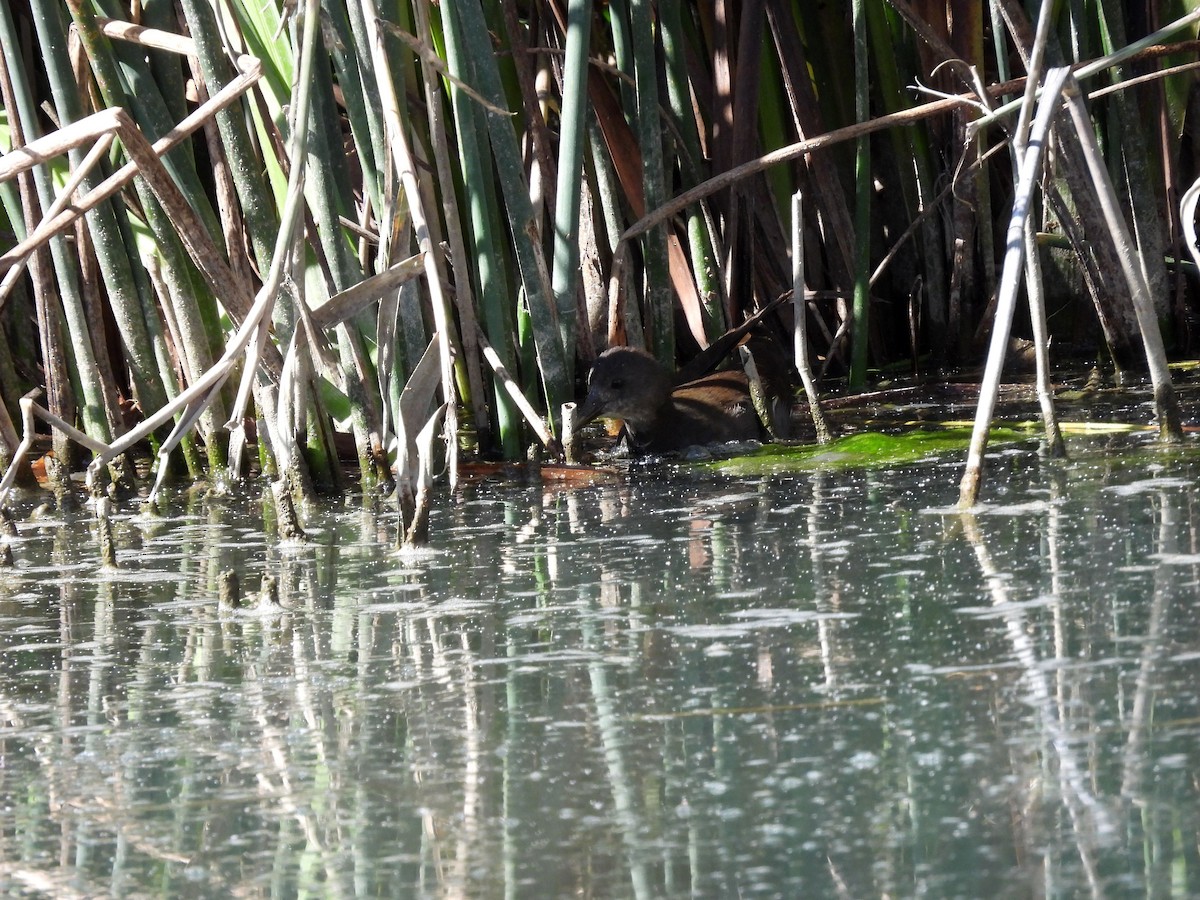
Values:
[(676, 685)]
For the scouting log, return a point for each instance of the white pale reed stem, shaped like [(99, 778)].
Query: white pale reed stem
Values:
[(1010, 282)]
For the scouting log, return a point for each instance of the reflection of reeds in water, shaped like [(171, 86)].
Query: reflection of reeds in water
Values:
[(572, 707), (1091, 822)]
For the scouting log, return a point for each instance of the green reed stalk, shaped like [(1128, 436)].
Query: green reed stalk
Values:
[(126, 282), (98, 411), (658, 301), (12, 386), (701, 240), (606, 189), (915, 179), (185, 300), (485, 226), (329, 197), (257, 208), (1130, 150), (351, 57), (468, 368), (535, 277), (137, 88), (572, 140), (622, 46), (862, 205)]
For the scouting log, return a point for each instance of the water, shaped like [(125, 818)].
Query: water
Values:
[(677, 685)]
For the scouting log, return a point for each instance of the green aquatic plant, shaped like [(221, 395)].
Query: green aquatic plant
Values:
[(865, 450)]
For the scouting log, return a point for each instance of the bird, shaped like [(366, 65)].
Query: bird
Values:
[(661, 416)]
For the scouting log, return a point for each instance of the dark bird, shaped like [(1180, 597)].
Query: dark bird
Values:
[(660, 416)]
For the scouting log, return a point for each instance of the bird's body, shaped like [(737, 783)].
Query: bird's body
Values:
[(660, 417)]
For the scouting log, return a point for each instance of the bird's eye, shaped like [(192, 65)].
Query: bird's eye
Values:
[(617, 384)]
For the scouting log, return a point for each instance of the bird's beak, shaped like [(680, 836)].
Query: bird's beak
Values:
[(589, 410)]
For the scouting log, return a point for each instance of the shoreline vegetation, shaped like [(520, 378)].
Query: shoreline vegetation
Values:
[(392, 236)]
